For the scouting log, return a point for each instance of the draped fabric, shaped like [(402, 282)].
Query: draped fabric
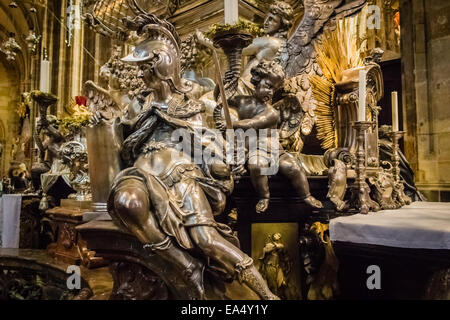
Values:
[(49, 179), (424, 225), (168, 203), (10, 207)]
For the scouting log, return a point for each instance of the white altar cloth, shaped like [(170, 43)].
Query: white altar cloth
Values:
[(424, 225), (10, 207)]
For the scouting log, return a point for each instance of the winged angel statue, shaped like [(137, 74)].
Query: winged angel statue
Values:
[(297, 56), (299, 60)]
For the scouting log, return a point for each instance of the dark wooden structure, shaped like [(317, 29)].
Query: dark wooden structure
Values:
[(405, 273), (68, 245)]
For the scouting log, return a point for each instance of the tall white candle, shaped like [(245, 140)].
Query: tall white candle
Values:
[(44, 85), (231, 14), (394, 99), (362, 96)]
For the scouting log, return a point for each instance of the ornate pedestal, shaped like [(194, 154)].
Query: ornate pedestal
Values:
[(398, 193), (69, 246), (139, 274), (360, 199), (284, 205)]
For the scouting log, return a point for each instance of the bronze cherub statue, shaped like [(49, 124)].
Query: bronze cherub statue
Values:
[(257, 112)]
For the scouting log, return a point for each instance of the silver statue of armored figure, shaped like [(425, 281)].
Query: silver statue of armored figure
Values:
[(166, 200)]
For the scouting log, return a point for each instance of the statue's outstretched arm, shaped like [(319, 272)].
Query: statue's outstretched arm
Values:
[(40, 145), (264, 120), (54, 133), (173, 121), (250, 50)]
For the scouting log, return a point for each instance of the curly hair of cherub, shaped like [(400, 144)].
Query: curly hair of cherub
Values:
[(285, 12), (268, 69)]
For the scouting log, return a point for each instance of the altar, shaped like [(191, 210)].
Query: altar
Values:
[(420, 225), (410, 246), (20, 221)]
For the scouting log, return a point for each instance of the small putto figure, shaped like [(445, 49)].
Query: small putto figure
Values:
[(257, 112)]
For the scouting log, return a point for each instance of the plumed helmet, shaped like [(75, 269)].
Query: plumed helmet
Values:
[(161, 49)]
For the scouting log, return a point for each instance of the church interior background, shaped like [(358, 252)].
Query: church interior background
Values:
[(360, 91)]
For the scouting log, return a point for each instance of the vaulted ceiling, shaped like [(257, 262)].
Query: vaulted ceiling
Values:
[(20, 20)]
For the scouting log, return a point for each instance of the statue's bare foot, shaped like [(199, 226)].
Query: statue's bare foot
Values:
[(313, 202), (262, 205)]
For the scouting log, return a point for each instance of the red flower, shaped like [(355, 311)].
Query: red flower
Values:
[(81, 100)]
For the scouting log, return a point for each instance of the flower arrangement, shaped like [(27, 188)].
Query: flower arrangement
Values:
[(241, 26), (78, 119), (72, 125)]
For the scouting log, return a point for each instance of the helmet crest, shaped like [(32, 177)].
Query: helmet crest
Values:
[(160, 49)]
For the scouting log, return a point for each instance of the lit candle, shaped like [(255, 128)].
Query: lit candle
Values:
[(362, 96), (394, 99)]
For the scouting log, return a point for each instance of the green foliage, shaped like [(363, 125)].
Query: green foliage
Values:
[(73, 124), (241, 26)]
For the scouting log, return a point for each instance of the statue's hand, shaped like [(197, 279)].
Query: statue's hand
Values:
[(221, 125), (238, 171), (95, 119), (200, 37)]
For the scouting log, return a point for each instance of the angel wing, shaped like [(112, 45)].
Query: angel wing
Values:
[(291, 119), (300, 65), (319, 15), (100, 102)]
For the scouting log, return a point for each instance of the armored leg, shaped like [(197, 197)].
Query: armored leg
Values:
[(253, 279), (231, 258), (132, 210)]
